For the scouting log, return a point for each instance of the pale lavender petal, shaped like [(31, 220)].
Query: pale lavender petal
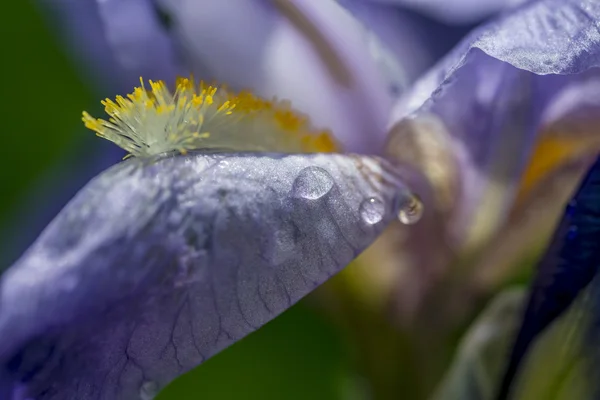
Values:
[(154, 267), (545, 37), (412, 41), (147, 50), (570, 119), (455, 11), (399, 41), (488, 95)]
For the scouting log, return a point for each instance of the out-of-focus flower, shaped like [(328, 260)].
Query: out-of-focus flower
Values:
[(554, 334), (560, 321), (502, 129)]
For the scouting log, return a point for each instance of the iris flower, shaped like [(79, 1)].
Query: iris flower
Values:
[(551, 339), (170, 256), (503, 128)]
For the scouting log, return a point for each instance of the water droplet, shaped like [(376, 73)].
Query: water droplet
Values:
[(312, 183), (372, 210), (149, 390), (411, 210)]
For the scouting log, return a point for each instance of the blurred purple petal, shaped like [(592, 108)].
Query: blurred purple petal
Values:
[(455, 11), (147, 50), (401, 34), (155, 267), (312, 53), (492, 110), (413, 41), (94, 32), (513, 85), (529, 226)]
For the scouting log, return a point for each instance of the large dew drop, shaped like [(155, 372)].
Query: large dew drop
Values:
[(312, 183)]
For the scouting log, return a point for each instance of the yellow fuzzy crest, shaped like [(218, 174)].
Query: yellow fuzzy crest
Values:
[(152, 121)]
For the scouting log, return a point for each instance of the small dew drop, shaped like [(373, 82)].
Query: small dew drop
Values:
[(372, 210), (411, 210), (148, 390), (312, 183)]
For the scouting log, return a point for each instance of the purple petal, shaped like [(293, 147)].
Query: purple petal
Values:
[(94, 31), (456, 11), (488, 98), (399, 41), (514, 83), (412, 41), (154, 267), (546, 37)]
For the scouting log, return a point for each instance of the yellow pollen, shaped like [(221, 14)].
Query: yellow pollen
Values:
[(152, 121)]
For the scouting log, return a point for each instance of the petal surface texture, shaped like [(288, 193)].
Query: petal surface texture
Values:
[(155, 266)]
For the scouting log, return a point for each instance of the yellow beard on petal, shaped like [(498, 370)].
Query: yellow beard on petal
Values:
[(550, 153), (152, 121)]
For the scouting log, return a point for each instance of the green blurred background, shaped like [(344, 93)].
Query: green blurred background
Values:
[(42, 99), (297, 356)]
